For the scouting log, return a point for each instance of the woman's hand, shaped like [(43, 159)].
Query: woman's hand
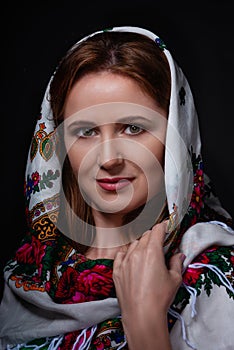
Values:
[(145, 288)]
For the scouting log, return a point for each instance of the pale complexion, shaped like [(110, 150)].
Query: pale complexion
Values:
[(97, 152), (106, 144)]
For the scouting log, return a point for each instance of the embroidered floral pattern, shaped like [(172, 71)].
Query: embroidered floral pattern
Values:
[(204, 278), (50, 204), (37, 182), (43, 142), (91, 283), (182, 94), (196, 205), (160, 43), (108, 336), (73, 279), (46, 262)]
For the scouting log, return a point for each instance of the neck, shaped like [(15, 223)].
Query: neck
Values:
[(104, 253), (107, 220), (110, 235)]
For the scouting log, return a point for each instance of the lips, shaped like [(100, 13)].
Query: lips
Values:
[(114, 183)]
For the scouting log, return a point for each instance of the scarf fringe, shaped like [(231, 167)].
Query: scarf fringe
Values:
[(193, 293), (86, 342), (56, 341), (217, 271), (183, 328), (53, 343)]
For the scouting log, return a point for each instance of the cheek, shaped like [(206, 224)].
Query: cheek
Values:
[(75, 157), (74, 163), (154, 170), (84, 164), (159, 152), (157, 148)]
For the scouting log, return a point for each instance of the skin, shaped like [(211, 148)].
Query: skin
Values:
[(96, 153), (111, 148), (142, 268)]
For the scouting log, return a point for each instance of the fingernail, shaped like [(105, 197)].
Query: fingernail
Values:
[(182, 257)]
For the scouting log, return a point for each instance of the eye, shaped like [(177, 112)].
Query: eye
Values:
[(85, 132), (133, 129)]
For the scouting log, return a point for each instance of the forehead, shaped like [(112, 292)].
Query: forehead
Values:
[(105, 87)]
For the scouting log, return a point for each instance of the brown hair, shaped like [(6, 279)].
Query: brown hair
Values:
[(129, 54)]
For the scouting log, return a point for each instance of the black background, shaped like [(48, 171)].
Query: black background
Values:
[(35, 35)]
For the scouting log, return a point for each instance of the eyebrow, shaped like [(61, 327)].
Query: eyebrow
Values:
[(131, 119), (81, 123), (124, 120)]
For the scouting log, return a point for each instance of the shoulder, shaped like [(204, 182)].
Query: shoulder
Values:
[(205, 302), (213, 266), (210, 325)]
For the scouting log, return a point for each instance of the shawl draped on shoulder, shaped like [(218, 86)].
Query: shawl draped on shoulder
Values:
[(56, 298)]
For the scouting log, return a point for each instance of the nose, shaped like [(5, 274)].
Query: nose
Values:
[(109, 155)]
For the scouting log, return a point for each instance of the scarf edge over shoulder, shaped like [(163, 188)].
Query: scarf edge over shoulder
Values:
[(27, 311)]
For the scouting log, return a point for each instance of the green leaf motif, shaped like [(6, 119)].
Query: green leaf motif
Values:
[(46, 179)]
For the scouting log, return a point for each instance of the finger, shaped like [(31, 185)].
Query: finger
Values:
[(118, 259), (158, 233), (131, 248), (124, 253), (145, 237), (176, 263)]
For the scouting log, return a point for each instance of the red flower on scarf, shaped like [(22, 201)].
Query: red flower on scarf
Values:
[(31, 253), (196, 201), (232, 263), (198, 178), (232, 259), (69, 340), (202, 258), (68, 287), (35, 178), (47, 286), (96, 282), (102, 343), (191, 276), (90, 284), (40, 133)]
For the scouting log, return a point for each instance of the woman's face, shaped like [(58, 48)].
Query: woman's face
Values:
[(114, 135)]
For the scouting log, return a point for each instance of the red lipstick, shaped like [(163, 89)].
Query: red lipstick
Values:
[(114, 183)]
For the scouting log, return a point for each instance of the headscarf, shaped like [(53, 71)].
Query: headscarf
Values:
[(36, 303)]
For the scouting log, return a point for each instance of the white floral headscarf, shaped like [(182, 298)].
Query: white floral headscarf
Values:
[(185, 183)]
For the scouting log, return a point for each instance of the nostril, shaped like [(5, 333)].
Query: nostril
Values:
[(107, 161), (112, 163)]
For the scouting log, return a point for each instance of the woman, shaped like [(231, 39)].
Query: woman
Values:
[(127, 245)]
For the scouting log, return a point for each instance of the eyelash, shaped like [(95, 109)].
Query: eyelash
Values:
[(80, 132), (141, 129)]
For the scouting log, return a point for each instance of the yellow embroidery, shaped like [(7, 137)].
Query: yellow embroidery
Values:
[(45, 226), (43, 142)]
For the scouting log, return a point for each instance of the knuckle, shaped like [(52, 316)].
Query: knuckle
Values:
[(178, 278), (134, 256)]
